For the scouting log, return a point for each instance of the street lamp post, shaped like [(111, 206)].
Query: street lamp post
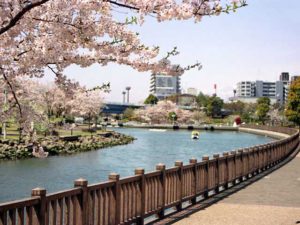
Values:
[(128, 89)]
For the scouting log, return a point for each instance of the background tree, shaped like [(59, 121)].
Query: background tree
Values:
[(198, 116), (202, 100), (235, 107), (129, 114), (214, 106), (264, 100), (151, 100), (87, 104), (161, 113), (262, 109), (292, 111), (173, 98)]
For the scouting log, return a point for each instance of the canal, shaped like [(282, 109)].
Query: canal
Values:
[(17, 178)]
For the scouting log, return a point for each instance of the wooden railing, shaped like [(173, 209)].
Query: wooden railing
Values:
[(130, 200)]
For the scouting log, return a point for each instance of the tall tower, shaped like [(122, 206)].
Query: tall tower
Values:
[(128, 89), (123, 93)]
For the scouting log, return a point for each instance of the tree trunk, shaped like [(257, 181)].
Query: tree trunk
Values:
[(20, 133)]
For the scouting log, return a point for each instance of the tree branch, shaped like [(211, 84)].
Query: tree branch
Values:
[(20, 14), (123, 5), (13, 93)]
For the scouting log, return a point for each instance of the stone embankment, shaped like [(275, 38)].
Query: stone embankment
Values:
[(181, 126), (11, 150)]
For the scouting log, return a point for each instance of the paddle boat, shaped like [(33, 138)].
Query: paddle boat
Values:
[(195, 135)]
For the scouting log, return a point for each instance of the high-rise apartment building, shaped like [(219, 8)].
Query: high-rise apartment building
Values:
[(162, 85), (251, 90)]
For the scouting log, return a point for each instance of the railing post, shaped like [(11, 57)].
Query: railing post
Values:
[(161, 167), (180, 191), (41, 211), (206, 159), (117, 193), (82, 183), (194, 162), (216, 156), (225, 154), (234, 168), (141, 172)]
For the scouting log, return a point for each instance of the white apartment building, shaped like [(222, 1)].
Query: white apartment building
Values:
[(277, 91), (163, 86)]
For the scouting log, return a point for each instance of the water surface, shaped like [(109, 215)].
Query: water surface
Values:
[(17, 178)]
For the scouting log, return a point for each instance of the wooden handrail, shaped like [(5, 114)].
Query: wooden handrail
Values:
[(132, 199)]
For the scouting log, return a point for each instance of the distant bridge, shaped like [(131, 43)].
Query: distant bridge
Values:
[(119, 108)]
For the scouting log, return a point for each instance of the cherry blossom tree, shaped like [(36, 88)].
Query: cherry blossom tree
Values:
[(160, 113), (28, 108), (54, 34), (87, 104), (54, 99), (37, 35), (36, 101)]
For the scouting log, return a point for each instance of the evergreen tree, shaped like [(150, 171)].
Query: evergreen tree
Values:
[(262, 109), (151, 100), (292, 111)]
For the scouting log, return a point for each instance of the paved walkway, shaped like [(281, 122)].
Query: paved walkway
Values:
[(271, 200)]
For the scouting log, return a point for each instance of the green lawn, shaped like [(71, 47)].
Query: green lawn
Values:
[(13, 133)]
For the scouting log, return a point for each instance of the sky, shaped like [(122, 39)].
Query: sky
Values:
[(258, 42)]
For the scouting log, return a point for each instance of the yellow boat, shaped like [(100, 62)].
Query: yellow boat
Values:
[(195, 135)]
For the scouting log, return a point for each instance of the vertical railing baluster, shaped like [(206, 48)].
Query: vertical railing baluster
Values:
[(41, 212), (234, 167), (181, 183), (195, 180), (141, 172), (117, 195), (241, 164), (162, 168), (83, 201), (226, 185), (216, 156), (206, 159)]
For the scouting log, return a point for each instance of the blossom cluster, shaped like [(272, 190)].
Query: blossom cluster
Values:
[(55, 34)]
